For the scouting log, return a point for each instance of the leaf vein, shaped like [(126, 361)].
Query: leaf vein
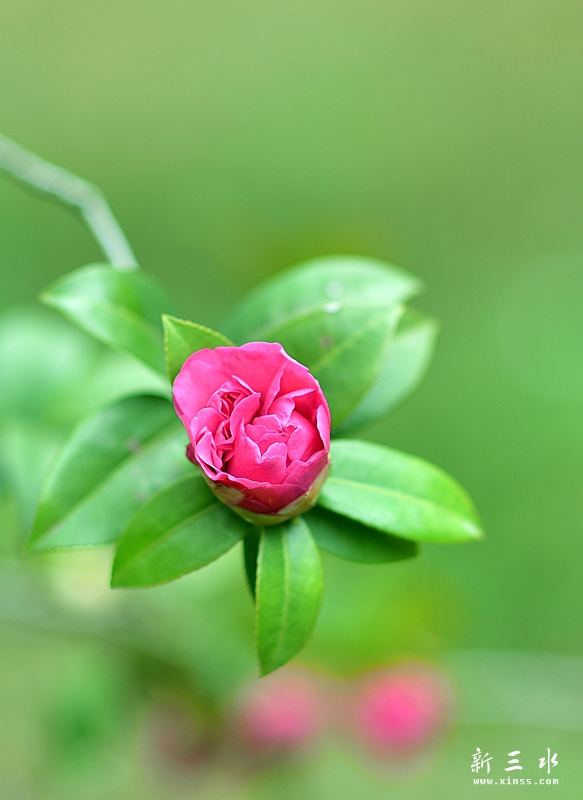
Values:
[(171, 531)]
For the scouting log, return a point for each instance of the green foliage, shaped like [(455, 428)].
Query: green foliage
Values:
[(250, 554), (397, 493), (43, 360), (121, 309), (112, 463), (348, 539), (288, 592), (312, 285), (344, 350), (403, 369), (336, 315), (182, 528), (182, 339), (123, 472)]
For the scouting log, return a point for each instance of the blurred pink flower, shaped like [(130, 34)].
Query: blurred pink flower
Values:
[(281, 713), (400, 711)]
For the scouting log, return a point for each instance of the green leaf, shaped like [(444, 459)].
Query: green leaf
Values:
[(336, 316), (404, 366), (250, 555), (313, 285), (122, 309), (183, 338), (345, 538), (344, 351), (112, 463), (289, 591), (397, 493), (182, 528)]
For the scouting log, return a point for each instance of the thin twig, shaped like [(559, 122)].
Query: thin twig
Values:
[(67, 187)]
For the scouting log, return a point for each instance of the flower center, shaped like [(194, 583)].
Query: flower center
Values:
[(239, 431)]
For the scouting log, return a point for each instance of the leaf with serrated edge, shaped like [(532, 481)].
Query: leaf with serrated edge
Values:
[(183, 338), (111, 464), (288, 592), (181, 529), (313, 285), (397, 493), (345, 538), (403, 369), (121, 309)]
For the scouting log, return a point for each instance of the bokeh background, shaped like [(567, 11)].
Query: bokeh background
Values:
[(234, 139)]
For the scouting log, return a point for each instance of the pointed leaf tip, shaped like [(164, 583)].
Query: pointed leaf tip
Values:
[(398, 494), (288, 592), (183, 338)]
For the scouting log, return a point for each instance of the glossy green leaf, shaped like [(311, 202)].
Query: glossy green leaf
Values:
[(288, 592), (314, 285), (403, 369), (250, 555), (182, 528), (337, 316), (182, 339), (112, 463), (397, 493), (344, 351), (122, 309), (347, 539)]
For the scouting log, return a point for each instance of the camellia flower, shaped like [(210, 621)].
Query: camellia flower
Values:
[(259, 428)]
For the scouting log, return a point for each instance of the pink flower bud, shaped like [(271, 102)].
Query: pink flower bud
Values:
[(259, 428), (400, 711), (283, 712)]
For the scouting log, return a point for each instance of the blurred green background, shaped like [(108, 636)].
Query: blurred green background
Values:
[(234, 139)]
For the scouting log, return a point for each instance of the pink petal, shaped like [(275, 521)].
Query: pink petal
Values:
[(304, 440)]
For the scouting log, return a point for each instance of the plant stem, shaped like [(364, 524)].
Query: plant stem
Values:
[(67, 187)]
